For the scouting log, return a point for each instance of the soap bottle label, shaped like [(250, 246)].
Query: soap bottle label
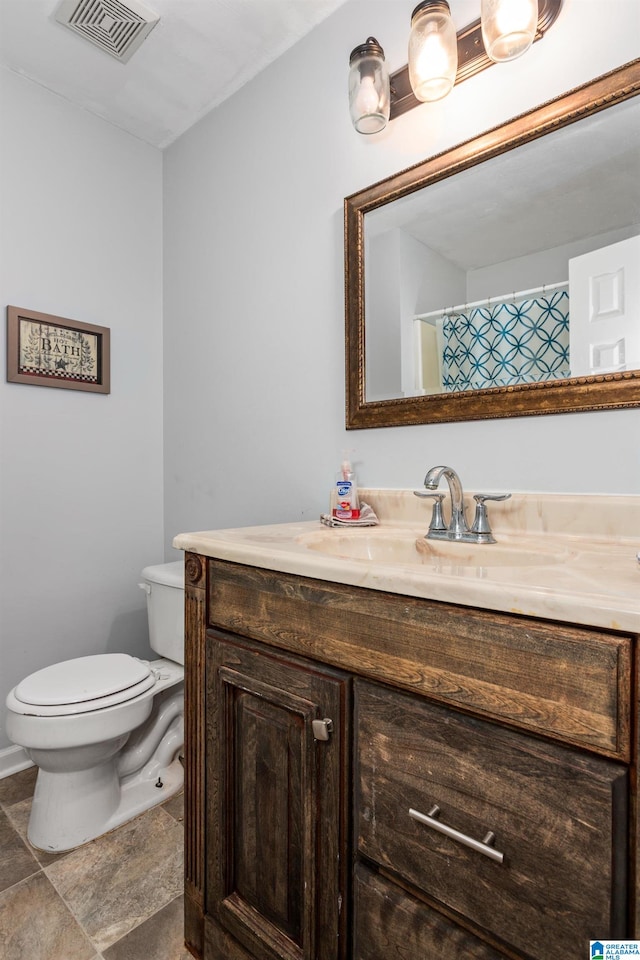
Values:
[(344, 509)]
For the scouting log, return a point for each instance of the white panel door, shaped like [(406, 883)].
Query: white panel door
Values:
[(604, 297)]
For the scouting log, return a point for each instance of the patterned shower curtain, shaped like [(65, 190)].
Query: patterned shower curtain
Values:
[(525, 340)]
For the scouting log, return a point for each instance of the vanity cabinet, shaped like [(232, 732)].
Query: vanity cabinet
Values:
[(519, 731)]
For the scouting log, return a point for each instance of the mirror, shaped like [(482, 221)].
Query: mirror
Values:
[(510, 245)]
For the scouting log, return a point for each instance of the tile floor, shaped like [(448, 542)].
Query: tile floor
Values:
[(116, 898)]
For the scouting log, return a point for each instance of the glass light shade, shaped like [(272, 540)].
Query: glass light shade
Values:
[(433, 50), (508, 27), (369, 95)]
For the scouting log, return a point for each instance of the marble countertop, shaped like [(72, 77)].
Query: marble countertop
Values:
[(559, 557)]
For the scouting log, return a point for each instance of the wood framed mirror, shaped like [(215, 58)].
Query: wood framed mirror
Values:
[(591, 136)]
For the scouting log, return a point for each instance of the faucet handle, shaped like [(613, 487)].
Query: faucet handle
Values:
[(481, 520), (437, 520)]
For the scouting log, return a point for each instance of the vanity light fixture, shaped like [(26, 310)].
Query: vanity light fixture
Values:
[(440, 58), (369, 93), (433, 50), (508, 28)]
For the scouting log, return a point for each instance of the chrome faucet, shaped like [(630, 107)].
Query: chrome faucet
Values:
[(458, 528), (458, 523)]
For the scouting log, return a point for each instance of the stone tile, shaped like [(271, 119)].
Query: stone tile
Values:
[(118, 881), (160, 937), (17, 861), (175, 806), (19, 814), (18, 787), (36, 925)]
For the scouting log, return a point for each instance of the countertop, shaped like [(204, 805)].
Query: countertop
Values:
[(574, 557)]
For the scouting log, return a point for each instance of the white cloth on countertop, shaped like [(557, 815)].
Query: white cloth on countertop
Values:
[(367, 518)]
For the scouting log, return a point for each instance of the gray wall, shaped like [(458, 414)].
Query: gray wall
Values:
[(80, 473), (254, 322)]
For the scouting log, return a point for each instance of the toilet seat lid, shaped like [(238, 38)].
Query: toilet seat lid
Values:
[(108, 677)]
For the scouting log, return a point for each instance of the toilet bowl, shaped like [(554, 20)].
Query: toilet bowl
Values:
[(106, 731)]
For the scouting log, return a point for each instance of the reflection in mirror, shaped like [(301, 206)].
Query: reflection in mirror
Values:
[(491, 271), (476, 269)]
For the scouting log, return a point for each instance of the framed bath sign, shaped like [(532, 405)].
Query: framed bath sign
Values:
[(48, 351)]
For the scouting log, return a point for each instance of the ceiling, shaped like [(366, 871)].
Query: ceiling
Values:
[(198, 54)]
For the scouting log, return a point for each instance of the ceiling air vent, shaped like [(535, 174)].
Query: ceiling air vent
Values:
[(117, 28)]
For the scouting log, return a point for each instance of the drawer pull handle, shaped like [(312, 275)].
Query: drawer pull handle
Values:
[(431, 820)]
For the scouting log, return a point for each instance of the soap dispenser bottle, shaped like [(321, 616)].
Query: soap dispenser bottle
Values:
[(345, 504)]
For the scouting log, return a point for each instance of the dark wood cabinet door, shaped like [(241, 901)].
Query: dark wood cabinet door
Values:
[(390, 924), (276, 818), (555, 818)]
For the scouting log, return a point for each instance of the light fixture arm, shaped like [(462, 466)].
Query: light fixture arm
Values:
[(472, 57)]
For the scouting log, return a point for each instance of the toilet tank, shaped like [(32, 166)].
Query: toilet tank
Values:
[(164, 586)]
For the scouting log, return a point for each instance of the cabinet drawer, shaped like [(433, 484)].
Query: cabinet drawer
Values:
[(390, 923), (559, 818), (570, 683)]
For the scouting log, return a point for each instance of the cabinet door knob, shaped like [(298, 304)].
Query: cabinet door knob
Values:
[(431, 820), (322, 729)]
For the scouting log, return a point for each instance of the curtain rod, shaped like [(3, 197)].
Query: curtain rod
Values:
[(448, 311)]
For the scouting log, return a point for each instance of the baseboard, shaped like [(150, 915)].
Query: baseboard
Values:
[(12, 760)]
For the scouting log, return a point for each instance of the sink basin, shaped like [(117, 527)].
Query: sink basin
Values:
[(404, 547)]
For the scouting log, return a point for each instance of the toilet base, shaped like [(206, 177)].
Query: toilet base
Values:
[(153, 785), (72, 807), (143, 794), (53, 832)]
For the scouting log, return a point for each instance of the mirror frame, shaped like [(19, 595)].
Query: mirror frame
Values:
[(601, 392)]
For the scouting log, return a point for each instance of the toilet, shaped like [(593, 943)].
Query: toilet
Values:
[(106, 731)]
